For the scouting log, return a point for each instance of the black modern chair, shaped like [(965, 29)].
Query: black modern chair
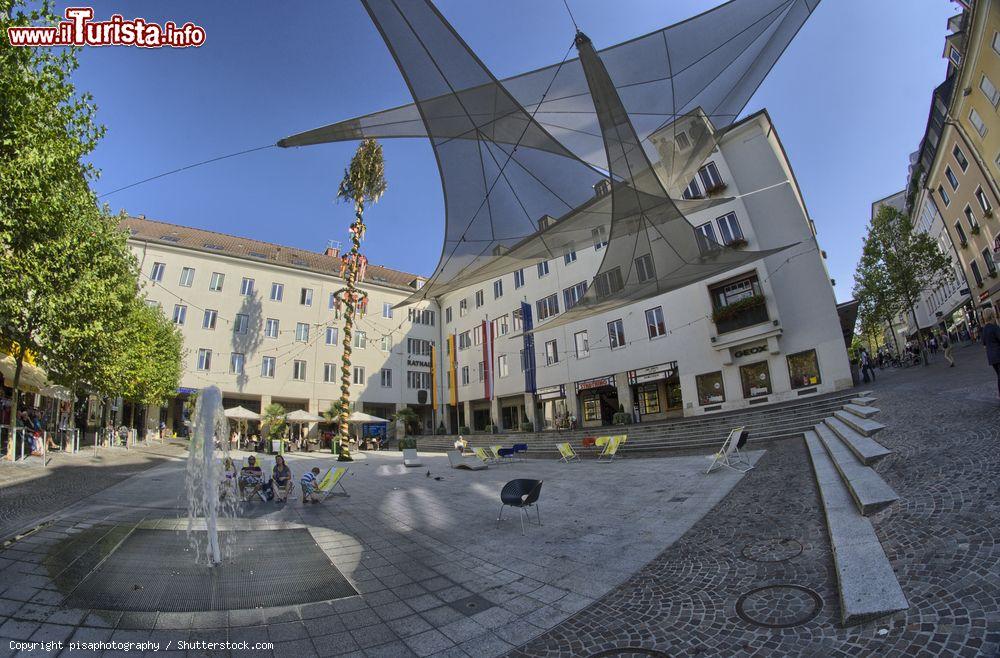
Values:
[(521, 449), (521, 494)]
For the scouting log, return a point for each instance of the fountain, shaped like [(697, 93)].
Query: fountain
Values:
[(210, 496)]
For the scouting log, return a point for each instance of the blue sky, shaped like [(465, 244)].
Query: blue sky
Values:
[(849, 99)]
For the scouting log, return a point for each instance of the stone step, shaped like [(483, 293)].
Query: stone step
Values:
[(864, 426), (867, 450), (861, 410), (864, 400), (869, 490), (868, 586)]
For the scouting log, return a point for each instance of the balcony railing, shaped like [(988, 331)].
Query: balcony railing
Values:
[(738, 315)]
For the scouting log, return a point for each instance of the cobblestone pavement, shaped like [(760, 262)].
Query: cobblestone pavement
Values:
[(755, 576), (31, 492)]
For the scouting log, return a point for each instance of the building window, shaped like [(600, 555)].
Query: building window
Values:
[(463, 308), (416, 379), (299, 370), (277, 292), (952, 180), (387, 310), (482, 371), (267, 367), (599, 235), (573, 294), (386, 343), (385, 378), (608, 283), (738, 303), (479, 298), (962, 240), (464, 340), (187, 277), (421, 316), (649, 399), (242, 323), (711, 180), (991, 265), (360, 340), (644, 268), (180, 313), (977, 275), (204, 359), (547, 307), (502, 365), (419, 346), (986, 85), (955, 56), (246, 287), (306, 297), (963, 163), (616, 334), (210, 317), (692, 191), (302, 332), (984, 201), (156, 274), (582, 344), (996, 42), (729, 228), (569, 257), (591, 409), (655, 325), (944, 195), (498, 289), (711, 390), (518, 278), (236, 363), (500, 327), (465, 375), (977, 122), (517, 319), (271, 328), (218, 280), (803, 369), (551, 353), (329, 373), (447, 315), (332, 335), (971, 218), (756, 379), (543, 269), (705, 236)]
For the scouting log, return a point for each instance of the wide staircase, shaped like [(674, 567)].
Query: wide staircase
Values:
[(842, 451), (782, 421)]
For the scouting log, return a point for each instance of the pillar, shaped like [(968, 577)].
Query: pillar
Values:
[(495, 411), (625, 397), (531, 411), (572, 405), (467, 409)]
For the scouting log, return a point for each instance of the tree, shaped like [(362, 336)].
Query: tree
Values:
[(273, 424), (907, 261), (410, 418), (363, 184)]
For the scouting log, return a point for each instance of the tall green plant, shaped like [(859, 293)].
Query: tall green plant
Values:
[(273, 422), (363, 184)]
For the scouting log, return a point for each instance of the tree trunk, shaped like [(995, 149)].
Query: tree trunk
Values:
[(892, 332), (920, 335), (14, 401)]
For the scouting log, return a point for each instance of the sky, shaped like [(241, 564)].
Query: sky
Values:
[(849, 99)]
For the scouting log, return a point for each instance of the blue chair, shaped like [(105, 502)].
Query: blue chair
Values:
[(521, 449), (521, 494), (506, 454)]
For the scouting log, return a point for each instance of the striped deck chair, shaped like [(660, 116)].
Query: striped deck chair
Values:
[(331, 480), (729, 455), (495, 451), (567, 452), (610, 449), (486, 457)]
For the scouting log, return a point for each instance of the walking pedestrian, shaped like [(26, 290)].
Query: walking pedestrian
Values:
[(866, 366), (991, 339), (946, 346)]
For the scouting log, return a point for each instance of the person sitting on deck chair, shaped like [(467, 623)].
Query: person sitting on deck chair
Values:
[(461, 444), (309, 485), (281, 480), (251, 478)]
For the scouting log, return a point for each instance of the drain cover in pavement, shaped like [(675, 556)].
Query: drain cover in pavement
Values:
[(471, 605), (155, 570), (779, 606), (630, 652), (772, 550)]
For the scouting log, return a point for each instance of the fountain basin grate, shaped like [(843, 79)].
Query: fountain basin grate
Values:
[(155, 570)]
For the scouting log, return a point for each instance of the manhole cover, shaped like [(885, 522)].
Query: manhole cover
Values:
[(630, 652), (155, 570), (779, 606), (778, 549), (471, 605)]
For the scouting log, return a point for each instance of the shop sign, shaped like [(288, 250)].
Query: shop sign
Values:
[(410, 361), (597, 382), (187, 390), (551, 392), (652, 373), (748, 351), (983, 296)]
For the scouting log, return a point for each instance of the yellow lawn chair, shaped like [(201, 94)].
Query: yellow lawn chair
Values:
[(611, 448), (495, 451), (567, 452), (483, 455), (332, 479)]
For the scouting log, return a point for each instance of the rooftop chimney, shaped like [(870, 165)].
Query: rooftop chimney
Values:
[(332, 248)]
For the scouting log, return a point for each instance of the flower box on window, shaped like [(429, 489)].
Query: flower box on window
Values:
[(737, 243), (716, 187), (993, 274), (963, 243), (988, 212), (737, 308), (975, 229)]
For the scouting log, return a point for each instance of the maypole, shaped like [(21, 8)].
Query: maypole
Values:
[(363, 183)]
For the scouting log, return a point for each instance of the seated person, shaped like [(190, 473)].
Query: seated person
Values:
[(227, 485), (251, 479), (461, 444), (281, 480), (310, 485)]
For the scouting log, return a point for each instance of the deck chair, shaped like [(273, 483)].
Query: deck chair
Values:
[(495, 451), (567, 452), (729, 455), (331, 480), (610, 449), (484, 456), (410, 458), (469, 463)]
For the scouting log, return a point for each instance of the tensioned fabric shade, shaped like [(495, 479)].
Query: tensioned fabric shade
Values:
[(241, 413), (594, 151), (360, 417), (302, 416)]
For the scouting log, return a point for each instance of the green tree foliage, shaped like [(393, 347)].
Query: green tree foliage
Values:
[(410, 418), (273, 423)]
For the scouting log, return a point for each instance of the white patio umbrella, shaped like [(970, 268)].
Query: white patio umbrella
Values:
[(32, 377), (241, 413), (301, 417), (360, 417)]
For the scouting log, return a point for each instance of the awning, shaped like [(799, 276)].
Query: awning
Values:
[(241, 413), (32, 377)]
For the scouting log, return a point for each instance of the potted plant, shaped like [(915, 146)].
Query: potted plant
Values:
[(975, 229), (732, 310), (441, 429), (527, 426), (737, 243), (464, 429), (963, 243)]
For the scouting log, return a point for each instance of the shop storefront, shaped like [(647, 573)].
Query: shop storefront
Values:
[(512, 412), (552, 410), (656, 392), (598, 399)]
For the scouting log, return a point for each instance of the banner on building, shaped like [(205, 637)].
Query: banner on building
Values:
[(434, 383), (487, 329), (452, 372), (529, 348)]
